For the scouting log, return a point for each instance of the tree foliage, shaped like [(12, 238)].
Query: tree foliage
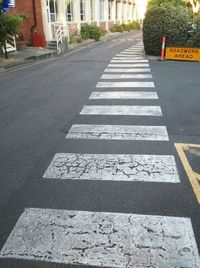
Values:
[(165, 20), (172, 2), (9, 25)]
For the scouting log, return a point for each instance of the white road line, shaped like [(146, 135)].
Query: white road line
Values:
[(126, 76), (113, 167), (137, 54), (134, 65), (129, 70), (125, 58), (141, 61), (118, 132), (124, 95), (125, 84), (121, 110), (103, 239), (136, 60), (130, 53)]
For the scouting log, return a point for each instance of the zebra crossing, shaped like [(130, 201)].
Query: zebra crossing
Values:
[(105, 239)]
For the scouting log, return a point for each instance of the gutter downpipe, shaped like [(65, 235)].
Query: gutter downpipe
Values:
[(35, 18)]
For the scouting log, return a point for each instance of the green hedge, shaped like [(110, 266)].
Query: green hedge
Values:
[(166, 20), (91, 31)]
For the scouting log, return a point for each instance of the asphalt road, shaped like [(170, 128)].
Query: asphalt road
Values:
[(38, 106)]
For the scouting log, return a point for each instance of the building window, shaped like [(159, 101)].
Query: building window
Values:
[(110, 9), (124, 11), (82, 10), (53, 10), (92, 6), (69, 10), (101, 9), (118, 11)]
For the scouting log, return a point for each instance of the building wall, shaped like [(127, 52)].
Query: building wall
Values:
[(26, 7), (128, 10)]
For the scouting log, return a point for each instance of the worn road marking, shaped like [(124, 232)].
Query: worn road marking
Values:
[(130, 58), (125, 84), (134, 65), (113, 167), (103, 239), (139, 61), (118, 132), (124, 95), (129, 70), (126, 76), (121, 110), (193, 177), (130, 55)]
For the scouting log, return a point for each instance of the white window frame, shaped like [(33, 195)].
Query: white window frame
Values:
[(101, 10), (82, 10), (69, 15)]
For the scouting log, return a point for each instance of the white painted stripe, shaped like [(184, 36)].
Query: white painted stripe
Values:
[(134, 60), (124, 95), (134, 49), (126, 76), (118, 132), (134, 65), (113, 167), (125, 84), (129, 70), (121, 110), (125, 58), (103, 239), (130, 55), (141, 61)]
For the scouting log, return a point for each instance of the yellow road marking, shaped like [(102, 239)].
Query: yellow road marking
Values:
[(193, 176)]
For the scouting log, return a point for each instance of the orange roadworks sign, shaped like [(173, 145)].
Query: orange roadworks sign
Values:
[(182, 53)]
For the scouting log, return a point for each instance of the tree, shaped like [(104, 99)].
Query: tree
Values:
[(9, 25), (195, 5), (172, 2)]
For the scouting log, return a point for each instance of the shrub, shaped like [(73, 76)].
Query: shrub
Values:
[(166, 20), (10, 25), (91, 32), (194, 40), (126, 27), (134, 25), (116, 28), (75, 39)]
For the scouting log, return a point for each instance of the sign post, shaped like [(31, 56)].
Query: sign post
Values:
[(163, 48)]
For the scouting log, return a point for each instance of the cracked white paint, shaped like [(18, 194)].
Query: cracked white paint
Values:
[(118, 132), (103, 239), (129, 70), (135, 65), (113, 167), (121, 110), (125, 84), (124, 95), (126, 76)]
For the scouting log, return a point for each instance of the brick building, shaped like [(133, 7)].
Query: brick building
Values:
[(43, 16)]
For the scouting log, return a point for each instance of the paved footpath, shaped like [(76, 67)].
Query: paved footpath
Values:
[(124, 107)]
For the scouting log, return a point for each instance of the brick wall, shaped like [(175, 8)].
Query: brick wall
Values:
[(73, 28), (110, 24), (26, 7), (102, 25)]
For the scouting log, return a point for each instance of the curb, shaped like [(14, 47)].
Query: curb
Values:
[(33, 58)]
